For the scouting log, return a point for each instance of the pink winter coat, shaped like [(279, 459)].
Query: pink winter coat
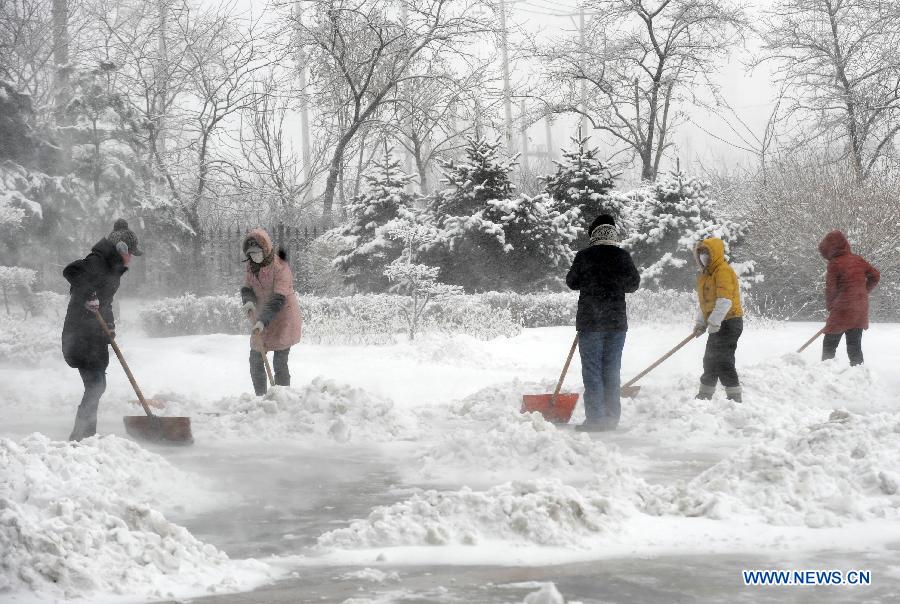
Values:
[(848, 282), (274, 277)]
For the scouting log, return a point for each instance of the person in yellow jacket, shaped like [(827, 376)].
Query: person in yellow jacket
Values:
[(719, 312)]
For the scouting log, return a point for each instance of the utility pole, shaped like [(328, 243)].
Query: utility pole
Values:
[(162, 77), (507, 101), (548, 135), (305, 135), (404, 20), (60, 18), (582, 86), (524, 134)]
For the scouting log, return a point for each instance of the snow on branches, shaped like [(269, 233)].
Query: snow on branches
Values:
[(368, 249), (667, 219)]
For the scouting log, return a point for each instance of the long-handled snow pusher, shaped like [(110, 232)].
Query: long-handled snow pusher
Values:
[(811, 340), (556, 407), (169, 430), (629, 390)]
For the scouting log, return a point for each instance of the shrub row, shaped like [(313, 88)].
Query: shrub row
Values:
[(377, 318)]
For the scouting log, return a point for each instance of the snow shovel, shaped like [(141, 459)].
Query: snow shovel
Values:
[(629, 390), (263, 352), (169, 430), (811, 340), (556, 407)]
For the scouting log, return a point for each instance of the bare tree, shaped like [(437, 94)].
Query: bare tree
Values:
[(363, 49), (431, 117), (642, 61), (839, 66), (276, 172)]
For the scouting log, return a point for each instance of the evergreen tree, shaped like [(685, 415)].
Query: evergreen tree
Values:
[(582, 182), (368, 248), (488, 237), (482, 176), (667, 219)]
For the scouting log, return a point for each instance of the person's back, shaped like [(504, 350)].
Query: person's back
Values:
[(602, 274), (848, 281)]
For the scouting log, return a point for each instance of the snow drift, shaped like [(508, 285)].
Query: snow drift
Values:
[(81, 519), (321, 408), (839, 471), (536, 512)]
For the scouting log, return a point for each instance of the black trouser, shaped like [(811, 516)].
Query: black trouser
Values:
[(86, 417), (718, 361), (279, 366), (854, 345)]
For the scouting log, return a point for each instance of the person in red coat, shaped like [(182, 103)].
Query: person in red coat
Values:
[(848, 283)]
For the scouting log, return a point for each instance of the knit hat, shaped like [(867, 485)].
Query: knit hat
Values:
[(605, 234), (122, 234), (601, 219)]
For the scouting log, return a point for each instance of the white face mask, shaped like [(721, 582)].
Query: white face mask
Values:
[(704, 259), (256, 256)]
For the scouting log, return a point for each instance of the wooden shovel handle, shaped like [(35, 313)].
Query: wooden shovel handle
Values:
[(118, 351), (680, 345), (565, 370), (811, 340)]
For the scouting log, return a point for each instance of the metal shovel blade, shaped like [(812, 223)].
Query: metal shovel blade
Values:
[(166, 430), (630, 391)]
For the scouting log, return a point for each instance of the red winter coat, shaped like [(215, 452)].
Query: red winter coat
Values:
[(274, 277), (847, 285)]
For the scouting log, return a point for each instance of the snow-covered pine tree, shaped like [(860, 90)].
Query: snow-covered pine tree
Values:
[(487, 237), (583, 182), (368, 249), (472, 182), (667, 219)]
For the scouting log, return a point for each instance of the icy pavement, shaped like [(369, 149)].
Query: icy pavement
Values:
[(405, 473)]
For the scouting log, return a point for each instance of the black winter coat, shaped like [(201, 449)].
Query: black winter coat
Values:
[(603, 274), (84, 345)]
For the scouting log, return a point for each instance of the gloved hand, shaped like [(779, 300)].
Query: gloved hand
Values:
[(699, 329), (714, 327), (92, 305), (249, 307), (258, 328), (112, 331)]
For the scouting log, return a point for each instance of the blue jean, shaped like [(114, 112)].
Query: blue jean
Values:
[(601, 364)]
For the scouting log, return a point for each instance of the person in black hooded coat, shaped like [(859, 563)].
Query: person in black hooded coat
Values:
[(93, 282)]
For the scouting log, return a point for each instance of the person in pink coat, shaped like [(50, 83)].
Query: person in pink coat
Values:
[(271, 304)]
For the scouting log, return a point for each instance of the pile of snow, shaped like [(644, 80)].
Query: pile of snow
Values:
[(779, 397), (518, 446), (321, 408), (845, 469), (547, 594), (80, 519), (537, 512), (373, 575)]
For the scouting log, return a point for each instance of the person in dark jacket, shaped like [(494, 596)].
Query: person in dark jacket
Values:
[(93, 282), (603, 273), (848, 282)]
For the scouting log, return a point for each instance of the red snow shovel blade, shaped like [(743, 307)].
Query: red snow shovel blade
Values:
[(559, 413), (166, 430)]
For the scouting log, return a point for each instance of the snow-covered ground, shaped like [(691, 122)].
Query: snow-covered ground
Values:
[(381, 459)]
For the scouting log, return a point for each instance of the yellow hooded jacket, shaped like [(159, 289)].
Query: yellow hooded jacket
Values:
[(717, 280)]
